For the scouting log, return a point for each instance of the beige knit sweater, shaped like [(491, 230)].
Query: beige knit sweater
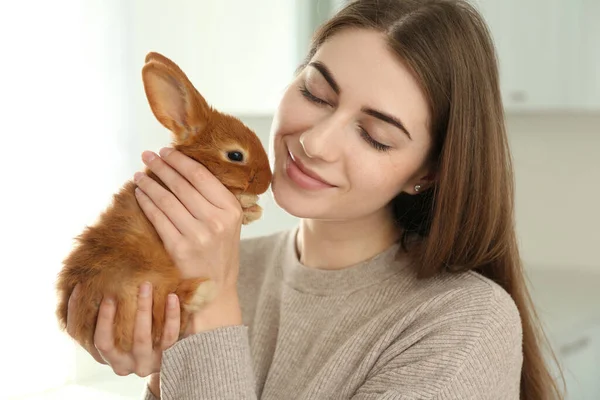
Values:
[(370, 331)]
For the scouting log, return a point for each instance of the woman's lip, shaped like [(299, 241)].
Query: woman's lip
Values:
[(295, 174), (307, 171)]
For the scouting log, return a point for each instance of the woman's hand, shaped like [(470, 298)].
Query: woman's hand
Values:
[(143, 359), (199, 223)]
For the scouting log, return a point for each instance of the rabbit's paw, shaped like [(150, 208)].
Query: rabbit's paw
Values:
[(251, 214), (252, 211), (247, 200)]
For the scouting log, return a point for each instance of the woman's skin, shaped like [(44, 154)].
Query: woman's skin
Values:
[(356, 117)]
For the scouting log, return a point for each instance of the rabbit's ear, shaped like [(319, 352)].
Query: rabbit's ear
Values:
[(172, 97), (154, 56)]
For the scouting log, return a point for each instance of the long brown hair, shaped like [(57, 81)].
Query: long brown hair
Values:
[(465, 221)]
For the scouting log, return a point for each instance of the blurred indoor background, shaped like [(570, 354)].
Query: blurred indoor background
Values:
[(75, 121)]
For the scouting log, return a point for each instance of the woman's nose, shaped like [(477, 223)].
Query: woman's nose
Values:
[(323, 141)]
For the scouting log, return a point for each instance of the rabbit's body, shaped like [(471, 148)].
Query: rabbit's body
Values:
[(114, 258), (122, 249)]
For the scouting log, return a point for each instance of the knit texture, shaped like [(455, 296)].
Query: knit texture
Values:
[(369, 331)]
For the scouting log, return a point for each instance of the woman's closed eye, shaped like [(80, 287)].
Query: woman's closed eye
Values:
[(374, 143), (311, 97), (363, 132)]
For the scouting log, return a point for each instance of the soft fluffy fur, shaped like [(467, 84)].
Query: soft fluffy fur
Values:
[(122, 250)]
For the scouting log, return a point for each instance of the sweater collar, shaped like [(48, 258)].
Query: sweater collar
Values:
[(373, 270)]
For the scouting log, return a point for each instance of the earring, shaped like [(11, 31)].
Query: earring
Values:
[(417, 188)]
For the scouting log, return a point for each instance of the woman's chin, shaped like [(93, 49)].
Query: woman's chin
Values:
[(293, 202)]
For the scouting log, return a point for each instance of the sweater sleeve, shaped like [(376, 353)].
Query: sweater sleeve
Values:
[(215, 364), (465, 356)]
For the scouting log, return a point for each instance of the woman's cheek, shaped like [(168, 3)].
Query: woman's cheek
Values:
[(379, 179)]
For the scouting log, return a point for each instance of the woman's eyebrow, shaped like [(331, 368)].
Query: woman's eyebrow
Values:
[(387, 118), (327, 75), (322, 68)]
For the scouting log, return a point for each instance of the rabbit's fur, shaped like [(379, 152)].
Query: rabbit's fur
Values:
[(122, 250)]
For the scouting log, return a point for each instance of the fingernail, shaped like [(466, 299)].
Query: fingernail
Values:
[(148, 156), (171, 300), (109, 300), (165, 151), (145, 289), (137, 176)]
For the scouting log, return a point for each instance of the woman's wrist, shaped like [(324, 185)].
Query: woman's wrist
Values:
[(154, 384), (224, 310)]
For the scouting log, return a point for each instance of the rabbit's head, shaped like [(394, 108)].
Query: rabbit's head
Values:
[(221, 142)]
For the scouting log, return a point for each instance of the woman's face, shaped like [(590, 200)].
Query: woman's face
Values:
[(356, 120)]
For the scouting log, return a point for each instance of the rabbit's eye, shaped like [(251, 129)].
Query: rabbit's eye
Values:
[(235, 156)]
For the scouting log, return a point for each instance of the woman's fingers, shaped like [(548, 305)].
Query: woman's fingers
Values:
[(142, 333), (169, 210), (200, 177), (187, 194), (96, 354), (144, 359), (104, 341), (165, 228), (71, 311), (172, 322)]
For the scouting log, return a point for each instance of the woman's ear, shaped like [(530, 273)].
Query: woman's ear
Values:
[(423, 183)]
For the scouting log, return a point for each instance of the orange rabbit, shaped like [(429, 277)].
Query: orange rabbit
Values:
[(122, 250)]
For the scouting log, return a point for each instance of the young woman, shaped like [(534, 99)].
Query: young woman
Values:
[(403, 278)]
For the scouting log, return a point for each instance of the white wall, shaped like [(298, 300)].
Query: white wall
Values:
[(239, 54), (64, 109), (557, 167)]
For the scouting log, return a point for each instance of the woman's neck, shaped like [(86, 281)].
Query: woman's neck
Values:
[(326, 244)]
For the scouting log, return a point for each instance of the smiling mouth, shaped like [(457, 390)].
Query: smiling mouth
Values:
[(306, 171), (303, 177)]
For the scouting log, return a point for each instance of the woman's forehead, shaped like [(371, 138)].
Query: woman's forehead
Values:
[(368, 72)]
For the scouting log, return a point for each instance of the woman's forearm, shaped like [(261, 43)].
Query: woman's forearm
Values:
[(223, 311)]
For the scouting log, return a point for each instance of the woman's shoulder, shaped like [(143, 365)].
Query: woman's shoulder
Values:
[(460, 332), (472, 304), (472, 285)]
